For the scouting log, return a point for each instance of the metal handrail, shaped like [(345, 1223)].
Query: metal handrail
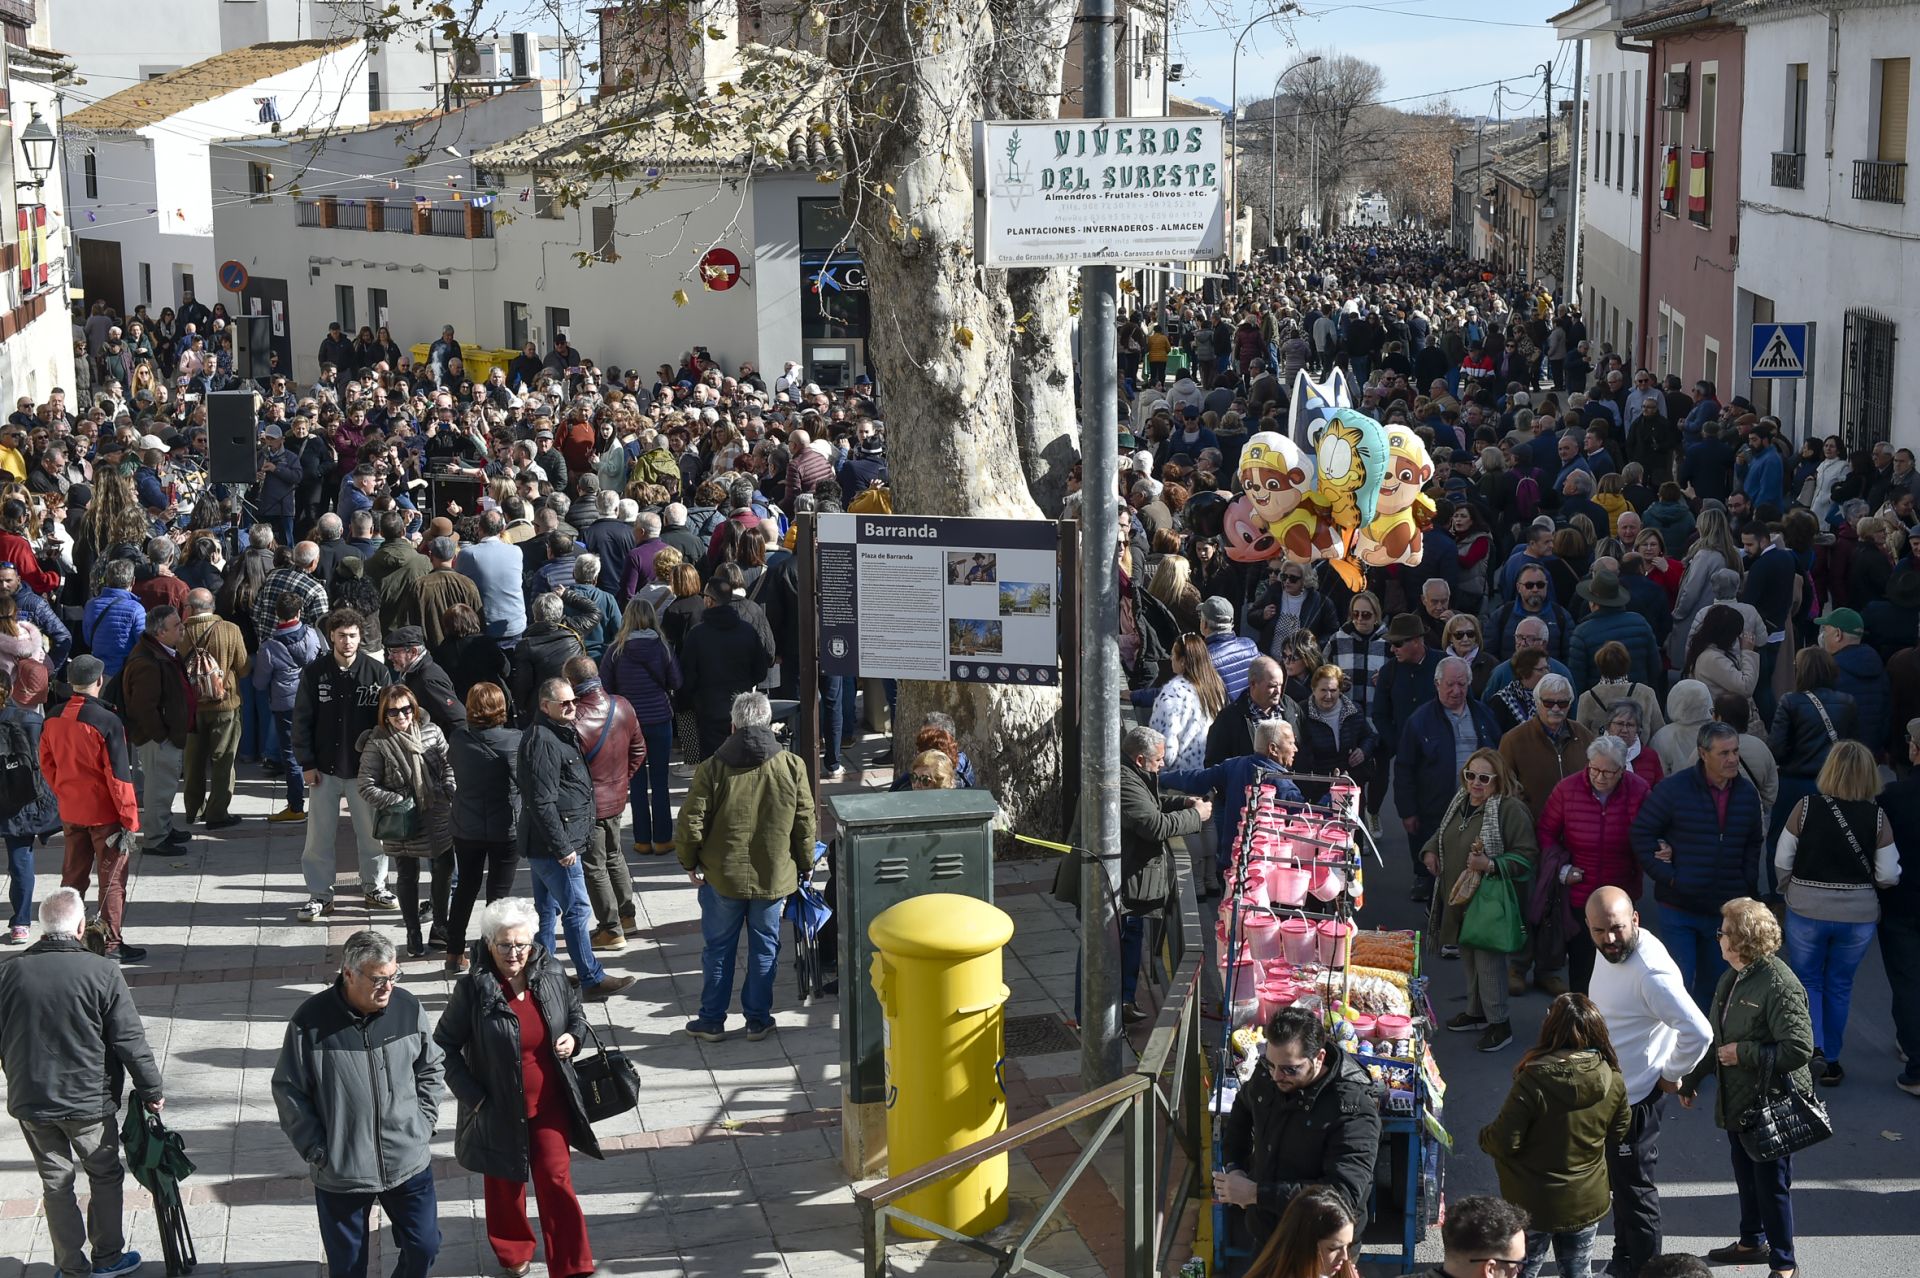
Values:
[(1137, 1102)]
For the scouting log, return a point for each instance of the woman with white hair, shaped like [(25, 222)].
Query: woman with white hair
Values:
[(1585, 834), (510, 1032)]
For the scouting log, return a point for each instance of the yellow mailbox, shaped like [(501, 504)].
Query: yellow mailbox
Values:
[(937, 976)]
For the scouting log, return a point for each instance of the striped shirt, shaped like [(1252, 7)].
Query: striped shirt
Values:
[(1360, 660)]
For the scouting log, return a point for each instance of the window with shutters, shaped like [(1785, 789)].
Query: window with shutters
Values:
[(1606, 132), (1883, 178), (90, 167), (604, 247), (1797, 108), (1890, 133)]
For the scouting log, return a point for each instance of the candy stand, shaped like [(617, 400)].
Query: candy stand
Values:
[(1289, 937)]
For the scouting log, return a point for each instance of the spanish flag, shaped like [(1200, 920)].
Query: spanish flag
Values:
[(1697, 175), (1670, 177)]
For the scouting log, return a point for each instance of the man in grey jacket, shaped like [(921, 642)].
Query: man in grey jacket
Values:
[(358, 1089), (68, 1030)]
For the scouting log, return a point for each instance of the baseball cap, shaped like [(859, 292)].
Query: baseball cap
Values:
[(1215, 612), (152, 442), (1845, 620), (270, 431)]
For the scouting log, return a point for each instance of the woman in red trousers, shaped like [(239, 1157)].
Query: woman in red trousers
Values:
[(509, 1034)]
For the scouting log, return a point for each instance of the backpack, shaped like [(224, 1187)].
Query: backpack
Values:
[(19, 773), (1526, 498), (205, 674), (30, 679), (875, 500)]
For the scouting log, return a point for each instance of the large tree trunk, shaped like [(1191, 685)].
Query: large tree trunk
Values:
[(944, 340)]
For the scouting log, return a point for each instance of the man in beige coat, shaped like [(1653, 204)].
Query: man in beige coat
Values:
[(207, 775)]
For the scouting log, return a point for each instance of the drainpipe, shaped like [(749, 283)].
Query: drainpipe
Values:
[(1648, 201)]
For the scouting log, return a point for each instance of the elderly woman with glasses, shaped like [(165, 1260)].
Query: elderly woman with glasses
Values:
[(406, 774), (1486, 831), (1759, 1012), (1461, 638), (510, 1032)]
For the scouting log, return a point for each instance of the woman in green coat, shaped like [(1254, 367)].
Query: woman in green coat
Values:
[(1468, 840), (1568, 1104), (1758, 1004)]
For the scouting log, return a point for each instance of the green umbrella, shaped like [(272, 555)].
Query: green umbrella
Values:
[(158, 1160)]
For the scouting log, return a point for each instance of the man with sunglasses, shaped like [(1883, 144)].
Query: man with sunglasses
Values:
[(358, 1085), (1483, 1237), (1310, 1115)]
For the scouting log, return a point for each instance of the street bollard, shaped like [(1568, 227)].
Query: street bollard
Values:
[(937, 975)]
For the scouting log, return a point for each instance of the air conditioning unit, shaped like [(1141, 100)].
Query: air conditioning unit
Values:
[(1674, 98), (525, 55), (467, 62)]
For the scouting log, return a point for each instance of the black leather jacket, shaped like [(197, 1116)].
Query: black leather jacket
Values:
[(1799, 739)]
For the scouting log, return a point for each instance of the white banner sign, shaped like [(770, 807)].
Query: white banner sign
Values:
[(1088, 192)]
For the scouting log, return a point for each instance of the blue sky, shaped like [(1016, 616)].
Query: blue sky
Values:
[(1424, 47)]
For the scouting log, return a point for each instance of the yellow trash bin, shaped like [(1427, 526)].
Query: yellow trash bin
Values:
[(937, 975)]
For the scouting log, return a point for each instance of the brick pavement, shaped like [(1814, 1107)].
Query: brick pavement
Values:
[(730, 1166)]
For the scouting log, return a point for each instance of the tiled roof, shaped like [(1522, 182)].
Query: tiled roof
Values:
[(783, 115), (152, 101)]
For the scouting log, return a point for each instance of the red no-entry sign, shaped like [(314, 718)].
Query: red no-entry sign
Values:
[(720, 269)]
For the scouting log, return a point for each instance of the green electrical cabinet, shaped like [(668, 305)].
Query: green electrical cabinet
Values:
[(894, 845)]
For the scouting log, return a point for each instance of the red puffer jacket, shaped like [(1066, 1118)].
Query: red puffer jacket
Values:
[(1597, 839), (614, 749)]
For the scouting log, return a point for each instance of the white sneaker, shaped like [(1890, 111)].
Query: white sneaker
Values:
[(314, 910)]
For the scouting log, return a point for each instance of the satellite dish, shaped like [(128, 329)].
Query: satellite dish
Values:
[(466, 60)]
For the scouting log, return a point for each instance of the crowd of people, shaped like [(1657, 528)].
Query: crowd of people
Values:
[(1650, 641)]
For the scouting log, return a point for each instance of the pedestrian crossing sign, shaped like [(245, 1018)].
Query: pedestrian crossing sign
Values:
[(1779, 350)]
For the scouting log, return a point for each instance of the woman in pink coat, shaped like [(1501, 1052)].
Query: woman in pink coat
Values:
[(1585, 844)]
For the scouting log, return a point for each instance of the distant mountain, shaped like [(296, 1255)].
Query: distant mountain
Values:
[(1216, 104)]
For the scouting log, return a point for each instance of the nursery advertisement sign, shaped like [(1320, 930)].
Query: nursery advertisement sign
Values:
[(1093, 192)]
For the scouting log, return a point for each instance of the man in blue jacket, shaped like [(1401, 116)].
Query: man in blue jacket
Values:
[(114, 619), (1434, 745), (1862, 676), (1764, 475), (1610, 622), (1698, 837), (1273, 750)]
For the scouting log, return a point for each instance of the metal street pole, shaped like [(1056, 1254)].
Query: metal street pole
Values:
[(1576, 166), (1100, 678), (1233, 124), (1273, 148)]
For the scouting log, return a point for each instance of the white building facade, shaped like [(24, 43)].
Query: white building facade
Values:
[(1611, 208), (116, 44), (36, 325), (1829, 228), (139, 163)]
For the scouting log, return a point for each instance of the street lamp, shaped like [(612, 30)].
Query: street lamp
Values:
[(1273, 149), (1233, 101), (37, 142)]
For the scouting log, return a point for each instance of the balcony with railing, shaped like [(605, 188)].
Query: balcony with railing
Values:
[(1880, 181), (1790, 169), (459, 221)]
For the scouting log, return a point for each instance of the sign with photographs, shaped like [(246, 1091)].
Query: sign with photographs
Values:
[(913, 597), (1088, 192)]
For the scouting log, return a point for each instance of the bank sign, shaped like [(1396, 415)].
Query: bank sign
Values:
[(1091, 192)]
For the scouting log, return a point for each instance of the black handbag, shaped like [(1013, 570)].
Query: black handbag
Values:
[(1776, 1126), (609, 1083)]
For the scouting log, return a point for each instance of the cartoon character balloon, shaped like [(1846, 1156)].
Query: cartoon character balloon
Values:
[(1274, 478), (1365, 508)]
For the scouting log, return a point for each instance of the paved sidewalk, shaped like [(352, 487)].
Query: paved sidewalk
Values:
[(729, 1167)]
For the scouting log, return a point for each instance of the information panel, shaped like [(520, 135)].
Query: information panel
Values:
[(913, 597)]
